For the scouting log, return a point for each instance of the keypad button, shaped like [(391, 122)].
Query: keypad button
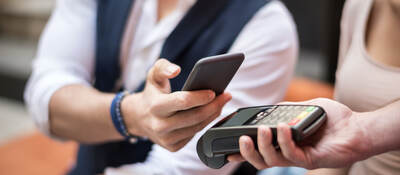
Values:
[(302, 115), (282, 107), (294, 122), (310, 109), (289, 107)]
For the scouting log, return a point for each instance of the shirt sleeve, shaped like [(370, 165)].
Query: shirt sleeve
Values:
[(65, 56), (270, 44)]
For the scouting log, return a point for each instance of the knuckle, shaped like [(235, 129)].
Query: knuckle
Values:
[(165, 141), (155, 128), (173, 147), (217, 106), (158, 127), (153, 106), (198, 128), (201, 114), (159, 62), (210, 109), (164, 145), (182, 100), (290, 156), (272, 163), (169, 140), (202, 111)]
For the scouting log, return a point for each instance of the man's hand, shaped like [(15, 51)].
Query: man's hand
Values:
[(339, 142), (170, 119)]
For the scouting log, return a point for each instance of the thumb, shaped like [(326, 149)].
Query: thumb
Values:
[(162, 71)]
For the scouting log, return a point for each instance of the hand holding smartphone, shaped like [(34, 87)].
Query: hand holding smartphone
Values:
[(213, 73)]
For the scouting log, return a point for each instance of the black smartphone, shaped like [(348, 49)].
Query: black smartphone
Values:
[(223, 138), (213, 73)]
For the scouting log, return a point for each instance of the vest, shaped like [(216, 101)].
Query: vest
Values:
[(209, 28)]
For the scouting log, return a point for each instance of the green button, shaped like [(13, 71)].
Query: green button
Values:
[(311, 108)]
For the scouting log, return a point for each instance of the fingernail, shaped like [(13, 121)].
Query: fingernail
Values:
[(246, 144), (172, 69), (262, 132)]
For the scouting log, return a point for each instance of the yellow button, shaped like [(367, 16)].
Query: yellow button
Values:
[(302, 115)]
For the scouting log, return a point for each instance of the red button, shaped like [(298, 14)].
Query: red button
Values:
[(294, 122)]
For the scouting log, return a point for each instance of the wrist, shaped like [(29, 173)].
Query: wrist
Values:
[(130, 109), (368, 145), (118, 119)]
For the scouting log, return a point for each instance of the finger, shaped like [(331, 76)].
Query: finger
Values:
[(308, 102), (162, 71), (267, 149), (288, 103), (250, 154), (179, 145), (287, 145), (188, 132), (204, 114), (181, 100), (235, 158), (178, 135)]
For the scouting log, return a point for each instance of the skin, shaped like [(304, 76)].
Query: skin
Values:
[(165, 7), (382, 35), (81, 113), (347, 136)]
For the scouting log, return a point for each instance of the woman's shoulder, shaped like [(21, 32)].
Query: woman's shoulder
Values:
[(354, 10)]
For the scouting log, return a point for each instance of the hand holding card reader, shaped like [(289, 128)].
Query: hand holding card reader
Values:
[(223, 138)]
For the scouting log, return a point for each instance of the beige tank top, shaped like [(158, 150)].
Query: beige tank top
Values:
[(364, 84)]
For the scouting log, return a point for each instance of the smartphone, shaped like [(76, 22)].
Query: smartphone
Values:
[(223, 138), (213, 73)]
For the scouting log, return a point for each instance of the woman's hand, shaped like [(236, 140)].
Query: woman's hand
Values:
[(339, 142), (170, 119)]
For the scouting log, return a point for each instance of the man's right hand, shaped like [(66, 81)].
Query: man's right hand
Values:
[(170, 119)]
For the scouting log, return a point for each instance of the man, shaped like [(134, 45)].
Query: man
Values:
[(90, 49)]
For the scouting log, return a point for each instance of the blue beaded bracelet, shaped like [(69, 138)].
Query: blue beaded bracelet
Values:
[(117, 118)]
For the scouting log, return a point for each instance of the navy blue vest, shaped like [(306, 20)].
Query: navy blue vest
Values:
[(209, 28)]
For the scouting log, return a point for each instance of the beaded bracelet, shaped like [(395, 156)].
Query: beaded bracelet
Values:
[(117, 118)]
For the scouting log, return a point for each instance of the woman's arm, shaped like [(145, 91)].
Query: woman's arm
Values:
[(345, 138), (328, 171)]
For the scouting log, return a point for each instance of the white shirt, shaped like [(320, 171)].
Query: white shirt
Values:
[(66, 56)]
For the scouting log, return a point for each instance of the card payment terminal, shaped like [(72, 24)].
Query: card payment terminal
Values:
[(223, 138)]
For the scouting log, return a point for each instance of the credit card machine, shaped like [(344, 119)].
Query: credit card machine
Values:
[(223, 138)]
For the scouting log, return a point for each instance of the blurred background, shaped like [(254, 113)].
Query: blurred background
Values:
[(21, 23)]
